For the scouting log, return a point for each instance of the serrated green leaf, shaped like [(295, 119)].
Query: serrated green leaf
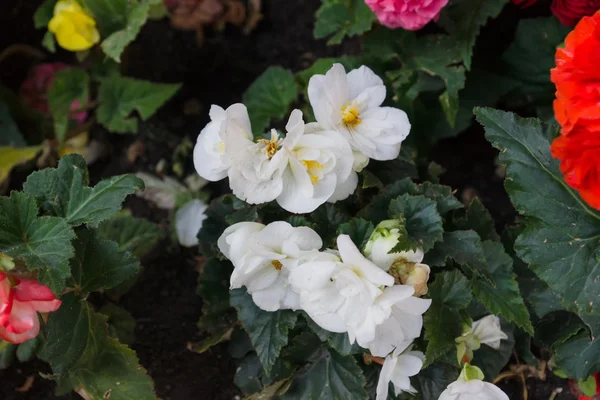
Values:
[(477, 218), (404, 166), (110, 15), (450, 293), (63, 192), (579, 356), (557, 327), (505, 298), (328, 376), (358, 229), (326, 219), (98, 263), (422, 221), (68, 86), (268, 331), (42, 243), (121, 324), (137, 14), (135, 235), (120, 96), (433, 380), (85, 359), (531, 56), (342, 18), (562, 234), (270, 97), (340, 342), (465, 248), (43, 14), (464, 18)]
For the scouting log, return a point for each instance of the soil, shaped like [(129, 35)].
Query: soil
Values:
[(164, 301)]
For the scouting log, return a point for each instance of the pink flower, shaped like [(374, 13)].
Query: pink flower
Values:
[(407, 14), (34, 90), (20, 301)]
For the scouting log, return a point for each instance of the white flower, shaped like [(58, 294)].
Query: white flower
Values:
[(470, 386), (488, 331), (263, 257), (402, 324), (337, 292), (210, 156), (398, 368), (162, 192), (350, 104), (383, 239), (188, 221), (304, 170)]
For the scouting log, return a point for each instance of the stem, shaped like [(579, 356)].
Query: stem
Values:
[(21, 48)]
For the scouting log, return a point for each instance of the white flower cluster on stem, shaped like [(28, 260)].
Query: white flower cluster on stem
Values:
[(314, 163)]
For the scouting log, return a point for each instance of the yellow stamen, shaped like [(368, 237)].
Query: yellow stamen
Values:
[(277, 265), (350, 115), (310, 165), (271, 146)]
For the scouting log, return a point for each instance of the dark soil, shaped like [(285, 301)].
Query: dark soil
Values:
[(164, 301)]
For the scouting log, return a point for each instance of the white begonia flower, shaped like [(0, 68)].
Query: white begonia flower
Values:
[(350, 104), (210, 156), (263, 257), (470, 386), (398, 367), (383, 239), (301, 172), (337, 292), (188, 221), (488, 331)]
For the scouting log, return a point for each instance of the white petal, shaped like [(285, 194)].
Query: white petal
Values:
[(254, 192), (294, 128), (209, 164), (234, 241), (352, 256), (188, 221), (328, 94), (362, 78), (270, 299), (385, 376), (489, 331), (312, 275), (345, 188)]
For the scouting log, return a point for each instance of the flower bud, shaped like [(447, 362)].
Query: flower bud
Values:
[(6, 262), (383, 239), (415, 275)]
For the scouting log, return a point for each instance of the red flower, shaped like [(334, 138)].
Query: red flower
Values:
[(569, 12), (577, 109), (524, 3), (20, 301)]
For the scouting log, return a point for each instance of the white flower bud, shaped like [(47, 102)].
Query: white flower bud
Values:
[(383, 239)]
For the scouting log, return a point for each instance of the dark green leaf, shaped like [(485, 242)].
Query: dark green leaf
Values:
[(120, 96), (44, 14), (270, 97), (358, 229), (11, 135), (68, 86), (110, 15), (434, 379), (450, 293), (328, 376), (63, 192), (27, 350), (268, 331), (557, 327), (421, 218), (579, 356), (561, 239), (342, 18), (477, 218), (43, 243), (135, 235), (121, 324), (505, 298)]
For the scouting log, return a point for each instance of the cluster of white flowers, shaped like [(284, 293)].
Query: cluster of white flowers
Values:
[(314, 163)]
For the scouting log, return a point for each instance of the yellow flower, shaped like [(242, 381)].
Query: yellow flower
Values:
[(74, 29)]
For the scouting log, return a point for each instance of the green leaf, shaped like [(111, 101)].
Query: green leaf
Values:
[(505, 298), (328, 376), (270, 97), (27, 350), (326, 219), (465, 248), (121, 324), (68, 86), (561, 239), (135, 235), (433, 380), (43, 14), (477, 218), (464, 18), (43, 244), (99, 264), (120, 96), (63, 192), (450, 293), (11, 135), (49, 42), (342, 18), (85, 359), (110, 15), (137, 14), (340, 342), (422, 221), (557, 327), (358, 229), (579, 356), (531, 56), (268, 331)]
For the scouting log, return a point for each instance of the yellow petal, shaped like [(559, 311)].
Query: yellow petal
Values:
[(74, 29)]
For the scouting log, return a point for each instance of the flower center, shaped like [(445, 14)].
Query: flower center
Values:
[(271, 146), (350, 115), (312, 167), (277, 264)]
